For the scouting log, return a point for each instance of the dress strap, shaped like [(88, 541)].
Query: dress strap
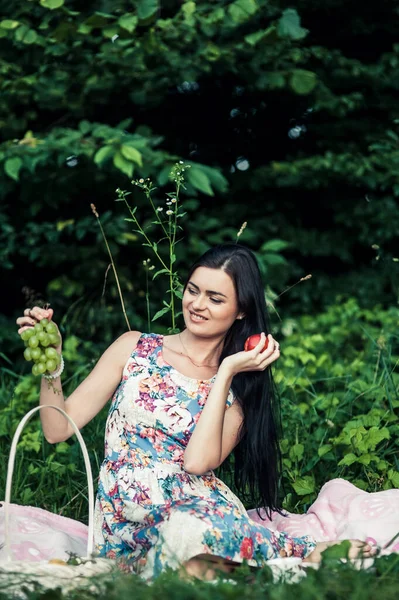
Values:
[(148, 344)]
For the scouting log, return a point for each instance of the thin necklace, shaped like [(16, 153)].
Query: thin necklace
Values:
[(193, 361)]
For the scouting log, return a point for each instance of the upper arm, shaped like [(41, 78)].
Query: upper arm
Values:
[(98, 387), (233, 419)]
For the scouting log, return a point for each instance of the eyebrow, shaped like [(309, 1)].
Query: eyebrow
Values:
[(210, 292)]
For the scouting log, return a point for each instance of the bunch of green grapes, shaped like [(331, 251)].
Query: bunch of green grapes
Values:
[(40, 341)]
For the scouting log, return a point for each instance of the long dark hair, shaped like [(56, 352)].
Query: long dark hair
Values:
[(257, 459)]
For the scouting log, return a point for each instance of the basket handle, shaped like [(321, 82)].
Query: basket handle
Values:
[(10, 471)]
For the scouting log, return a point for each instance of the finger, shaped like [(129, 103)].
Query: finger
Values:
[(271, 346), (21, 321), (21, 329), (39, 313), (271, 358), (260, 345)]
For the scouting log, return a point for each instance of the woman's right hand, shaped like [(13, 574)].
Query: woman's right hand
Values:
[(257, 359), (35, 315)]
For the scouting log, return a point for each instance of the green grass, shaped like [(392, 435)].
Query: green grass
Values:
[(333, 581)]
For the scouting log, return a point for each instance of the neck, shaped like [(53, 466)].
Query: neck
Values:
[(204, 350)]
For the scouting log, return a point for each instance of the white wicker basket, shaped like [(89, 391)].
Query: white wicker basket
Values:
[(17, 577)]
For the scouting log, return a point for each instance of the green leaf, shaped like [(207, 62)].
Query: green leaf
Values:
[(128, 22), (274, 245), (188, 9), (374, 436), (296, 451), (304, 485), (394, 477), (159, 273), (303, 82), (160, 313), (12, 167), (336, 551), (123, 165), (8, 24), (103, 154), (146, 8), (217, 179), (200, 181), (132, 154), (52, 4), (242, 10), (21, 32), (62, 224), (289, 25), (99, 19), (348, 459), (31, 37), (266, 35), (324, 449)]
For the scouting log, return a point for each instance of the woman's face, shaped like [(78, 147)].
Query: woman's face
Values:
[(209, 302)]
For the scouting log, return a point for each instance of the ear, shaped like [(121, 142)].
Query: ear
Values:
[(240, 316)]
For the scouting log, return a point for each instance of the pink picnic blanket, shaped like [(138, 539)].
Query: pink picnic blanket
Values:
[(343, 511), (37, 535)]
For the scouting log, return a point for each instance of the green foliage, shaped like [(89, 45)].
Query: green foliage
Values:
[(340, 398), (121, 90)]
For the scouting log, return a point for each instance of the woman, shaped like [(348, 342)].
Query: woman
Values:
[(181, 404)]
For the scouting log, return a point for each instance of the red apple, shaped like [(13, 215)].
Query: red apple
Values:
[(253, 341)]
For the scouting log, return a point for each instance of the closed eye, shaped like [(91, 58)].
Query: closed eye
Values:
[(194, 292)]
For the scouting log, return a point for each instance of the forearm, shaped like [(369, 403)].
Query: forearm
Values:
[(204, 449), (54, 424)]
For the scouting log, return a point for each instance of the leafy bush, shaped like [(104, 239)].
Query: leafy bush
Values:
[(340, 400)]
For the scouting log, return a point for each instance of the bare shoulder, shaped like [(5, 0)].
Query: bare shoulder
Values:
[(121, 348)]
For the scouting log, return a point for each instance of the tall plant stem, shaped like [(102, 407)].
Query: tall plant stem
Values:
[(143, 233), (93, 208)]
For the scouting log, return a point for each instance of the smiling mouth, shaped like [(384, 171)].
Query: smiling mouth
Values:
[(197, 317)]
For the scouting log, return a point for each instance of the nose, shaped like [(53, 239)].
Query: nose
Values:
[(199, 303)]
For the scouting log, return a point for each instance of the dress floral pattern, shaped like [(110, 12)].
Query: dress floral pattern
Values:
[(152, 514)]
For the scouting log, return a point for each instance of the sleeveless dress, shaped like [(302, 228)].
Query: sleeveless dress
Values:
[(150, 513)]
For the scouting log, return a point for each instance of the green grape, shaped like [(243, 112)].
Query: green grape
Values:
[(41, 367), (38, 327), (51, 327), (42, 335), (33, 342), (51, 365), (51, 353), (35, 372), (24, 337), (44, 322), (28, 354), (54, 339), (29, 333), (46, 341), (35, 353)]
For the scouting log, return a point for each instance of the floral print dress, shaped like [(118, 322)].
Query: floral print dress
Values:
[(151, 513)]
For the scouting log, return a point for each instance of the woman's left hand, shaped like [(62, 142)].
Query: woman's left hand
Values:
[(253, 360)]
